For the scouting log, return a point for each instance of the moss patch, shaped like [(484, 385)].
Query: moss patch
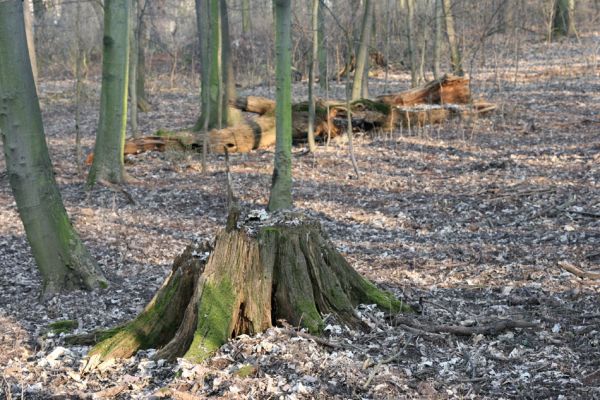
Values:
[(64, 326), (215, 311)]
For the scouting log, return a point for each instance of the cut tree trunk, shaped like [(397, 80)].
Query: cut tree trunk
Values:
[(280, 266)]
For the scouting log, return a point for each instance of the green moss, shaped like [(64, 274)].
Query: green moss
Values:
[(311, 319), (64, 326), (215, 311), (245, 371), (103, 284), (385, 300), (372, 105)]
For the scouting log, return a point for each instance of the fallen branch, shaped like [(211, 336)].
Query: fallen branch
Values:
[(567, 266), (492, 328)]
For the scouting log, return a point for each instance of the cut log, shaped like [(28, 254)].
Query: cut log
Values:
[(282, 267), (449, 89)]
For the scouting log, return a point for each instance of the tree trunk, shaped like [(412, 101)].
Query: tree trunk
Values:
[(362, 58), (30, 39), (140, 75), (110, 138), (246, 19), (437, 38), (133, 68), (455, 56), (62, 259), (232, 115), (563, 23), (311, 74), (281, 186), (410, 29), (322, 49), (281, 268)]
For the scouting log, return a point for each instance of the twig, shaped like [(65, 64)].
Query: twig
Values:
[(567, 266), (585, 213), (380, 364), (321, 341), (118, 188), (492, 328)]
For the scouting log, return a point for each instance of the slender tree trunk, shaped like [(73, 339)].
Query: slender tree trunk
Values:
[(79, 61), (232, 115), (311, 75), (410, 29), (281, 187), (437, 38), (322, 45), (133, 60), (246, 20), (362, 58), (110, 138), (563, 23), (30, 38), (142, 40), (455, 56), (62, 259)]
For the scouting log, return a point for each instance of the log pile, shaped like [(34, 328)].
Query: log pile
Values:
[(434, 102)]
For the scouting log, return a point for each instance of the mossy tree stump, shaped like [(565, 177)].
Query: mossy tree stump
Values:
[(276, 266)]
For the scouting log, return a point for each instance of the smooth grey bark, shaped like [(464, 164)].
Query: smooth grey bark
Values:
[(410, 30), (281, 186), (455, 56), (28, 18), (108, 162), (133, 60), (246, 20), (437, 38), (362, 58), (322, 44), (311, 75), (217, 82), (563, 23), (62, 258)]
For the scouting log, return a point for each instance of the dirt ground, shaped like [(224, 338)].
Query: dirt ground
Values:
[(473, 222)]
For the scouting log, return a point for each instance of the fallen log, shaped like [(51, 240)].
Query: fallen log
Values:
[(434, 102), (449, 89)]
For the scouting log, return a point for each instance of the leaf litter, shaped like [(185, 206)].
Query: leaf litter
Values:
[(472, 222)]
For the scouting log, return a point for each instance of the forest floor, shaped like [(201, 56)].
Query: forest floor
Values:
[(473, 221)]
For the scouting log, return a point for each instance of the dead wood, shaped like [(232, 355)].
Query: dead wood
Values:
[(567, 266), (491, 328), (449, 89), (284, 268)]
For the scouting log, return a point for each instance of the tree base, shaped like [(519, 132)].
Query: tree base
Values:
[(277, 266)]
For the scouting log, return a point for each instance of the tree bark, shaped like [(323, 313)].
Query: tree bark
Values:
[(282, 268), (62, 259), (321, 46), (455, 56), (108, 162), (140, 75), (563, 23), (410, 29), (30, 39), (133, 68), (437, 38), (362, 58), (281, 186), (311, 75)]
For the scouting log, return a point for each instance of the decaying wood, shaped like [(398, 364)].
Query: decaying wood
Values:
[(491, 328), (449, 89), (281, 269), (567, 266), (434, 102), (139, 145)]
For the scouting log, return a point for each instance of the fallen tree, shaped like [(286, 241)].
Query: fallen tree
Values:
[(434, 102), (278, 266)]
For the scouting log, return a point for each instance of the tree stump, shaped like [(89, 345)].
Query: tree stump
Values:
[(275, 266)]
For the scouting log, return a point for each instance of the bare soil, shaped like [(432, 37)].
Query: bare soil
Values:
[(471, 221)]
